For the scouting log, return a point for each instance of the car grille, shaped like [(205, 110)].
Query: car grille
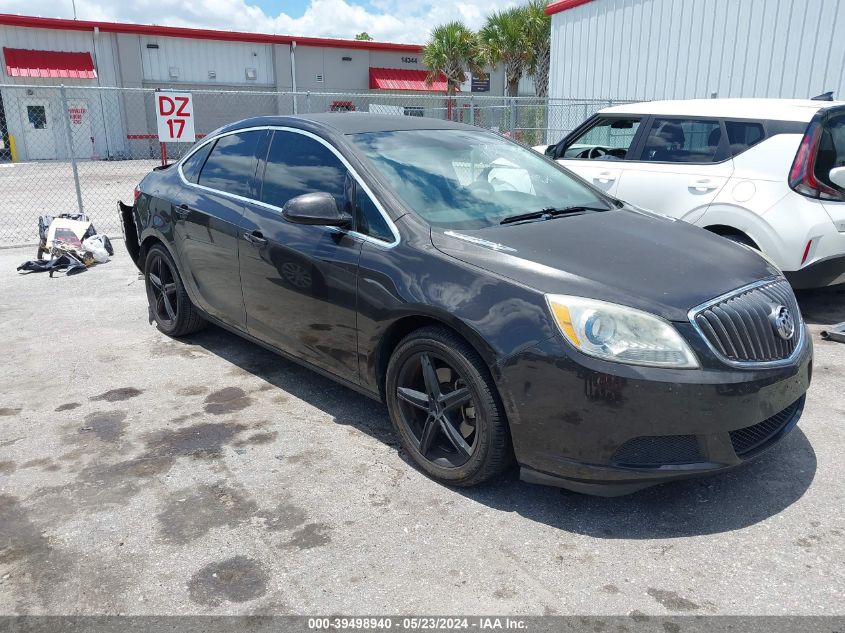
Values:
[(738, 328), (751, 438), (658, 450)]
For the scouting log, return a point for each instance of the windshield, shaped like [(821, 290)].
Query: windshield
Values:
[(467, 179)]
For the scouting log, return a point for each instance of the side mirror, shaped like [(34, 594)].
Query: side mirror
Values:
[(837, 177), (318, 208), (550, 151)]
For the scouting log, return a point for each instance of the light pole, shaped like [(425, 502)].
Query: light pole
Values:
[(73, 2)]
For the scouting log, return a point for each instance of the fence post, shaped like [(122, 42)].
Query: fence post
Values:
[(513, 117), (308, 102), (69, 137), (471, 109)]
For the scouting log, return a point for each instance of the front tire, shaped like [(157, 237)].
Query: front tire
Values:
[(445, 409), (170, 306)]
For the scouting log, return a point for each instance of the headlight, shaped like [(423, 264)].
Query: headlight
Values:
[(619, 333)]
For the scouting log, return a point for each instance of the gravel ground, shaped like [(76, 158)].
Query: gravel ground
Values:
[(143, 475)]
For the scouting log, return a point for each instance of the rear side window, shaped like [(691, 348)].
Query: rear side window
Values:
[(297, 164), (193, 164), (607, 139), (231, 164), (683, 141), (831, 150), (743, 134)]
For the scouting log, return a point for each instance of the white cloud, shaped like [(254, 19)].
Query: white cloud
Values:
[(388, 20)]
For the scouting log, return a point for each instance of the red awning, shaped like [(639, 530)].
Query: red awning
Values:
[(404, 79), (48, 64)]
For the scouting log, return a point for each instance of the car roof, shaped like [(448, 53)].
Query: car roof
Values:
[(351, 122), (761, 109)]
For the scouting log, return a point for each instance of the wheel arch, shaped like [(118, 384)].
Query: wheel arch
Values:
[(147, 241), (404, 325), (725, 230), (739, 220)]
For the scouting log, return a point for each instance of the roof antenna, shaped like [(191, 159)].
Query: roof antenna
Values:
[(827, 96)]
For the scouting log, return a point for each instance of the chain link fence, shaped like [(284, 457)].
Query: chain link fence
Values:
[(71, 149)]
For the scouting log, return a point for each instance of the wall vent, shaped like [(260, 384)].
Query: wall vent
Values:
[(320, 78)]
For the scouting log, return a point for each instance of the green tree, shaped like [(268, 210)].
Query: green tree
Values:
[(538, 32), (504, 41), (363, 35), (451, 50)]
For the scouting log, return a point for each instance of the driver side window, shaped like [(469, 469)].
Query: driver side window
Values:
[(607, 139), (297, 164)]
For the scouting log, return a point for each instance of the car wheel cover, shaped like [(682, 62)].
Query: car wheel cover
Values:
[(164, 297), (438, 410)]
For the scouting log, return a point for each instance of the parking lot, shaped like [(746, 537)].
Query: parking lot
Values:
[(144, 475), (46, 188)]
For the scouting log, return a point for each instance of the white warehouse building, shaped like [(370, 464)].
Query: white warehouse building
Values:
[(633, 50), (109, 70)]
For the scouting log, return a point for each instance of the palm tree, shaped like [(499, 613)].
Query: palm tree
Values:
[(452, 50), (503, 41), (538, 31)]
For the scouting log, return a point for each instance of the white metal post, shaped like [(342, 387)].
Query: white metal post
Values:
[(66, 118)]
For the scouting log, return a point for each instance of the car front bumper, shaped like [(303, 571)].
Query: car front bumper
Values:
[(608, 429)]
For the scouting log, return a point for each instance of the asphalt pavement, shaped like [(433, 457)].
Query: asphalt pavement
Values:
[(144, 475)]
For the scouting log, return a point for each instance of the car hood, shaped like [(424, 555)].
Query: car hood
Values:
[(624, 256)]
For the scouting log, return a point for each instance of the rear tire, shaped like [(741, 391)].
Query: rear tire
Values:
[(445, 408), (170, 307)]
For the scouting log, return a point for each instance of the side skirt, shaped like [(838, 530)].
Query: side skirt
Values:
[(327, 374)]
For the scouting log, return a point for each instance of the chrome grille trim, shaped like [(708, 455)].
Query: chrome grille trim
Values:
[(740, 334)]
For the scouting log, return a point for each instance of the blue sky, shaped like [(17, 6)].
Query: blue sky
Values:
[(294, 8), (385, 20)]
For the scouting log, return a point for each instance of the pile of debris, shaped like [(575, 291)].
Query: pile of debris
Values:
[(72, 243)]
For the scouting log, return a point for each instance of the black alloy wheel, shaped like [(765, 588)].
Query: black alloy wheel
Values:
[(438, 409), (170, 306), (162, 285), (444, 407)]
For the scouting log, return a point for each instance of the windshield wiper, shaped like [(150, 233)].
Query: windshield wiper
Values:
[(548, 213)]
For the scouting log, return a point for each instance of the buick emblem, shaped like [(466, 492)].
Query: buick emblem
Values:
[(782, 322)]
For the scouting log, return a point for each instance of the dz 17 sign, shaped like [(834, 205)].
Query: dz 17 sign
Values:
[(175, 117)]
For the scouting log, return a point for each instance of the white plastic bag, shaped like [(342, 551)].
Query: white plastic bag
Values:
[(96, 244)]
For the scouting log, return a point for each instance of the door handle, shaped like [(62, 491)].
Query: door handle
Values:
[(182, 211), (605, 177), (702, 185), (255, 238)]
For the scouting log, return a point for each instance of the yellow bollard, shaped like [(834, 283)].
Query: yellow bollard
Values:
[(13, 148)]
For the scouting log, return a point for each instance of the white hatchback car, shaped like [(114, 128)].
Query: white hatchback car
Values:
[(768, 173)]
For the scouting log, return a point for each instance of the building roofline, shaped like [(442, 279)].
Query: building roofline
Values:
[(563, 5), (63, 24)]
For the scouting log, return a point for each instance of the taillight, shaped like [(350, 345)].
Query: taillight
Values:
[(802, 177), (137, 192)]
